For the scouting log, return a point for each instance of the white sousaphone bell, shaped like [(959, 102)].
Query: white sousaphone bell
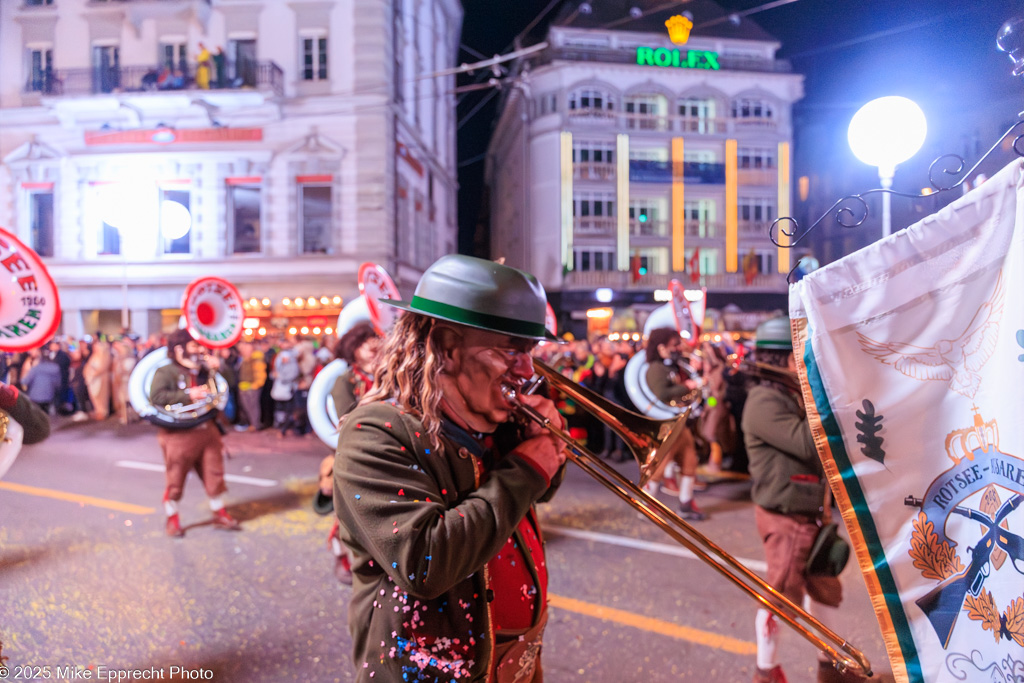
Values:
[(213, 313), (374, 284), (29, 316), (677, 316)]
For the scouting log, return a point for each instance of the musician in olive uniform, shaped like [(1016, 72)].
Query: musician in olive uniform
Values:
[(182, 381), (788, 493), (664, 353), (359, 347)]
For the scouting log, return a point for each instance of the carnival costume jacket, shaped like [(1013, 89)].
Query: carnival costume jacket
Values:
[(663, 381), (421, 524), (784, 466)]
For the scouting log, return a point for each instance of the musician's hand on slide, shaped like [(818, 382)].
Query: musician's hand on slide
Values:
[(542, 448)]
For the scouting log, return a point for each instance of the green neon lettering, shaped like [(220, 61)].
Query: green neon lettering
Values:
[(662, 57), (711, 59), (675, 57), (691, 58), (645, 56)]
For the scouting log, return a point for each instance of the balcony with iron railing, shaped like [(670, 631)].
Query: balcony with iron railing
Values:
[(721, 282), (594, 226), (766, 177), (649, 228), (666, 123), (754, 228), (593, 170), (260, 76)]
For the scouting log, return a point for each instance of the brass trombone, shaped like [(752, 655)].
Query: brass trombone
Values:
[(651, 441)]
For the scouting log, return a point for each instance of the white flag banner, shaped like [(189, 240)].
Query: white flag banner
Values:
[(911, 357)]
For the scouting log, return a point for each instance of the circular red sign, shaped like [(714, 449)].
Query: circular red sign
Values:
[(214, 312), (376, 284), (29, 306)]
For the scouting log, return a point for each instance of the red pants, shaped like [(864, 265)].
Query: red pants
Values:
[(787, 543), (199, 448)]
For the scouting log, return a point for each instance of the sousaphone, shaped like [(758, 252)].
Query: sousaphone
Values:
[(374, 284), (213, 311), (29, 316), (675, 314)]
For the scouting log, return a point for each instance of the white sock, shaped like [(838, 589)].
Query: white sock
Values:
[(336, 547), (171, 507), (651, 487), (686, 489), (670, 470), (766, 626), (216, 504)]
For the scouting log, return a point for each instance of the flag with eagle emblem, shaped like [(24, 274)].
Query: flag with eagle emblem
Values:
[(911, 357)]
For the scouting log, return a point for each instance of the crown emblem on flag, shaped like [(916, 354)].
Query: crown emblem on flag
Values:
[(962, 443), (679, 29)]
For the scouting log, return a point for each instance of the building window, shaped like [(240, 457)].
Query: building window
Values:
[(38, 3), (586, 206), (653, 260), (647, 112), (40, 75), (176, 221), (41, 222), (315, 214), (108, 241), (590, 99), (593, 152), (174, 55), (745, 108), (244, 212), (757, 209), (106, 68), (314, 58), (593, 260), (753, 157)]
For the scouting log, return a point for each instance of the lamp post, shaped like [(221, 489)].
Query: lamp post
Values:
[(884, 133)]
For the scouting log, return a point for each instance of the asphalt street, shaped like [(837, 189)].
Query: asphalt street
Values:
[(90, 586)]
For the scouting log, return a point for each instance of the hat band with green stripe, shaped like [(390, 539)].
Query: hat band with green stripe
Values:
[(457, 314)]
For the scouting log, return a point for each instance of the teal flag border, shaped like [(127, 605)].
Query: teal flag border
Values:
[(883, 573)]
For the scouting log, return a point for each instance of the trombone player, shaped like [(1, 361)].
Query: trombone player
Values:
[(435, 488)]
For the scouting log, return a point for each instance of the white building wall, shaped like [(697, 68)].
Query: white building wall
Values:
[(345, 127)]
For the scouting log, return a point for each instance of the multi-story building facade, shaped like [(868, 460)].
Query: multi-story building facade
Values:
[(622, 160), (146, 143)]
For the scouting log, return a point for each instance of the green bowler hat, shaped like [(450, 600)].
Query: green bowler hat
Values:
[(481, 294)]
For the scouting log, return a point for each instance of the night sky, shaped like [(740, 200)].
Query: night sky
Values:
[(940, 53)]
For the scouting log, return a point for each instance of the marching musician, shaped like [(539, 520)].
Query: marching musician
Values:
[(359, 347), (664, 354), (183, 381), (435, 488), (788, 492)]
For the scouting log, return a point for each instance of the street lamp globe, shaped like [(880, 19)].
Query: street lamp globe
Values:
[(886, 132)]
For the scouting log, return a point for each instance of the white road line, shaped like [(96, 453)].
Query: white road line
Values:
[(234, 478), (664, 548)]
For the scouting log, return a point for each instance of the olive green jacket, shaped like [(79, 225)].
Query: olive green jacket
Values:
[(662, 381), (421, 524), (784, 467), (169, 386)]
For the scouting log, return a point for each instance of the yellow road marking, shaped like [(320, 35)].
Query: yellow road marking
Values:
[(76, 498), (693, 635)]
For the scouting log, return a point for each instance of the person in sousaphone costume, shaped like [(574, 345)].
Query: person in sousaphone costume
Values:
[(435, 488), (788, 490), (360, 348), (664, 353), (182, 381)]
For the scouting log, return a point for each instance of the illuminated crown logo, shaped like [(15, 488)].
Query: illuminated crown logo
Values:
[(962, 443), (679, 29)]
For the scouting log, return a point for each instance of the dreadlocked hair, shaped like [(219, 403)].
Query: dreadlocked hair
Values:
[(408, 369)]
